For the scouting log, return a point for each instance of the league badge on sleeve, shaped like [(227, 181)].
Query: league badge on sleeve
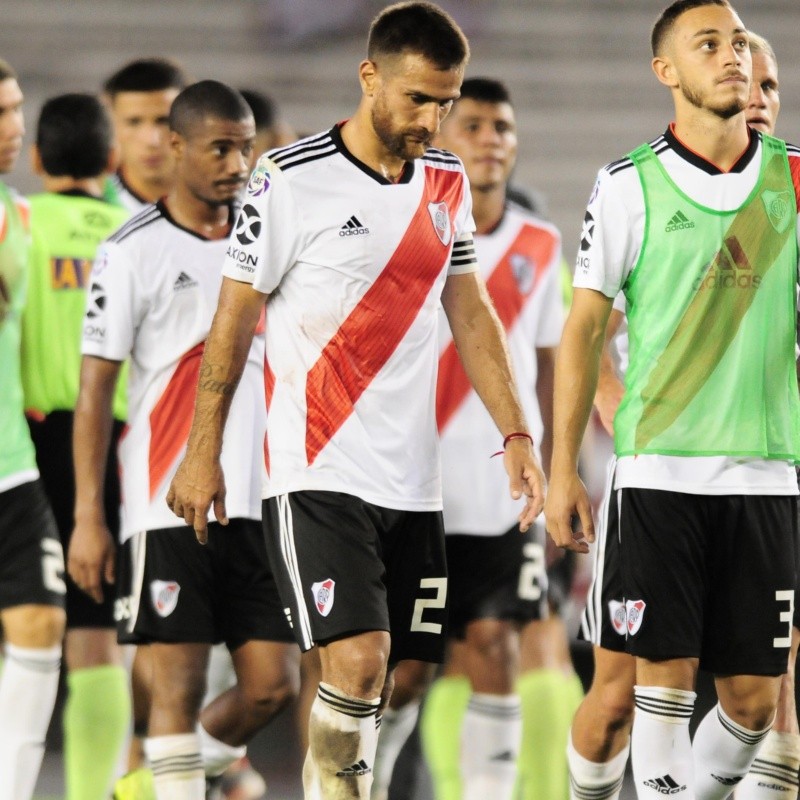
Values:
[(440, 217), (259, 181), (322, 592)]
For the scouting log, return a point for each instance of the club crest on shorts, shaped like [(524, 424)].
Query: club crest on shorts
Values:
[(322, 591), (618, 615), (634, 612), (164, 595), (440, 217)]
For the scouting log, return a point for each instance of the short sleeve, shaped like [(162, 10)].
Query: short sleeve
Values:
[(115, 305), (608, 250), (266, 239)]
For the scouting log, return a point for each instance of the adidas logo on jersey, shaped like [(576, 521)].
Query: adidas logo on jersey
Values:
[(353, 228), (184, 282), (729, 269), (665, 785), (679, 222), (359, 768)]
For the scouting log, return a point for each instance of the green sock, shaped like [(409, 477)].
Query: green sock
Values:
[(440, 731), (549, 700), (96, 721)]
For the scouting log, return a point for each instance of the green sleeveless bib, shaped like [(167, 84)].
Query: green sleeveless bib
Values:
[(16, 449), (712, 321)]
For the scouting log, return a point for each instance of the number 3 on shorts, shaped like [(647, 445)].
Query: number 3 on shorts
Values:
[(421, 603)]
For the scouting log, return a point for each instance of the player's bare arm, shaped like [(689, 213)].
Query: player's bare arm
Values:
[(480, 341), (609, 387), (545, 375), (91, 551), (199, 481), (577, 367)]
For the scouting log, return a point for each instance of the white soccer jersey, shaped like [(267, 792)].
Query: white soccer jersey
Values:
[(611, 240), (354, 266), (521, 263), (154, 291), (124, 195)]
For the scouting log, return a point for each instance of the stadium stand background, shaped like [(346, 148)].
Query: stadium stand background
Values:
[(578, 71)]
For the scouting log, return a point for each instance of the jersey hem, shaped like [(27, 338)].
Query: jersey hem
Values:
[(394, 503), (9, 482), (705, 488)]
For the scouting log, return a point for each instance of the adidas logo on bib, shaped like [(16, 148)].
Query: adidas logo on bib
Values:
[(679, 222)]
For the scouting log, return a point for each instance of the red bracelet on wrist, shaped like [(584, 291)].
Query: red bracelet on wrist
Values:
[(517, 435)]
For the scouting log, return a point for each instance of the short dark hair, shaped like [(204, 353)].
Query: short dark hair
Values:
[(485, 90), (147, 75), (6, 71), (74, 136), (421, 28), (206, 99), (262, 106), (664, 23)]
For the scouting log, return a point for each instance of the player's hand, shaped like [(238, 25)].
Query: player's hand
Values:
[(567, 497), (90, 558), (606, 401), (195, 487), (526, 479)]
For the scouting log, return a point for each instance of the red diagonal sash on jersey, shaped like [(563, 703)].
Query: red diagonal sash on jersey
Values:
[(453, 386), (269, 388), (376, 326), (171, 418)]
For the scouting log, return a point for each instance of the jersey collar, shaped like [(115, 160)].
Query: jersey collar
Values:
[(336, 136), (707, 166)]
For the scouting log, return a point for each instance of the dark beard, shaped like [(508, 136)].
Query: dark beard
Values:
[(736, 107), (394, 141)]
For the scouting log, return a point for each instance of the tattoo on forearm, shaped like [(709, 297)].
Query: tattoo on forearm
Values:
[(208, 383)]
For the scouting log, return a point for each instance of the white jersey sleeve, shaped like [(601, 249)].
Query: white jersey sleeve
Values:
[(115, 305), (610, 239), (269, 206)]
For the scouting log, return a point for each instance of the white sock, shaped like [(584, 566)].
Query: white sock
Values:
[(593, 780), (396, 725), (28, 687), (490, 739), (217, 756), (343, 738), (177, 766), (660, 744), (773, 774), (723, 753)]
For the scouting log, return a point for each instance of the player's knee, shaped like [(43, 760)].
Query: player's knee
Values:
[(357, 665), (268, 698), (34, 626), (492, 644), (750, 701), (613, 701)]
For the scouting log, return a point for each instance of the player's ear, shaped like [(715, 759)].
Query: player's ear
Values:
[(368, 77), (176, 143), (665, 71), (113, 159)]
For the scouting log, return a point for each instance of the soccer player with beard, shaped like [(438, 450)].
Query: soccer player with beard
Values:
[(698, 229), (353, 238)]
